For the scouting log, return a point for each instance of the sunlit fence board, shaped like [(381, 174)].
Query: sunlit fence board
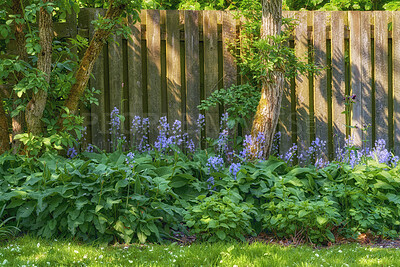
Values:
[(338, 78), (396, 79), (320, 83), (356, 75), (381, 75), (366, 83), (173, 60), (302, 85)]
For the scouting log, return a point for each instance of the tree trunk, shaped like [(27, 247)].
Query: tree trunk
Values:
[(4, 135), (18, 122), (36, 106), (268, 109), (86, 66)]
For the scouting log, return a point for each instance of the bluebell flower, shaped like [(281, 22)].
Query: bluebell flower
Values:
[(130, 159), (210, 182), (234, 169), (215, 164), (90, 148), (72, 153)]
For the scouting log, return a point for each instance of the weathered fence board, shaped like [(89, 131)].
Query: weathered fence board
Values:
[(285, 117), (153, 70), (320, 84), (302, 85), (135, 74), (211, 69), (396, 79), (174, 87), (356, 78), (338, 78), (98, 112), (192, 59), (366, 72), (381, 75)]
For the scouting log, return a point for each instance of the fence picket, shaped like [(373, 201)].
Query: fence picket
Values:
[(153, 34), (381, 76), (320, 84), (396, 79), (302, 85), (338, 78), (356, 75), (98, 114), (192, 61), (285, 116), (366, 72), (174, 94), (211, 69)]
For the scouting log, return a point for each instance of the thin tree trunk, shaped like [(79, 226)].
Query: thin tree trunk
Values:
[(268, 109), (4, 135), (36, 106), (86, 66), (18, 122)]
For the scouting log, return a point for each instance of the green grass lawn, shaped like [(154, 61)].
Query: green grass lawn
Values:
[(31, 251)]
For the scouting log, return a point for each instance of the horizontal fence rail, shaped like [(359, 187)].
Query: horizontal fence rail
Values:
[(174, 59)]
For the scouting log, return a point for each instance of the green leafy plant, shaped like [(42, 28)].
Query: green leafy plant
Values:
[(221, 216), (6, 231)]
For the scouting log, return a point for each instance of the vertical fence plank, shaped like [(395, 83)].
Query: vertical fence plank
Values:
[(211, 69), (356, 78), (338, 78), (153, 36), (135, 84), (302, 85), (396, 79), (192, 61), (98, 116), (228, 41), (366, 72), (115, 72), (285, 115), (320, 84), (381, 76), (174, 86)]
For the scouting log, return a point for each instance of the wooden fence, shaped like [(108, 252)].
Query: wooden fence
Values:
[(176, 58)]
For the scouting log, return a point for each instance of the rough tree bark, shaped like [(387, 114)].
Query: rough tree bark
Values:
[(267, 114), (86, 66), (36, 106), (4, 136)]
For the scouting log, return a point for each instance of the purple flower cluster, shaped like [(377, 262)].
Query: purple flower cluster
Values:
[(275, 144), (117, 138), (72, 153), (290, 154), (90, 148), (162, 142), (172, 136), (201, 122), (130, 159), (234, 169), (140, 129), (253, 147), (210, 182), (215, 164)]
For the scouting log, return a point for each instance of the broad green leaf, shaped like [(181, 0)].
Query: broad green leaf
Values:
[(221, 234)]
